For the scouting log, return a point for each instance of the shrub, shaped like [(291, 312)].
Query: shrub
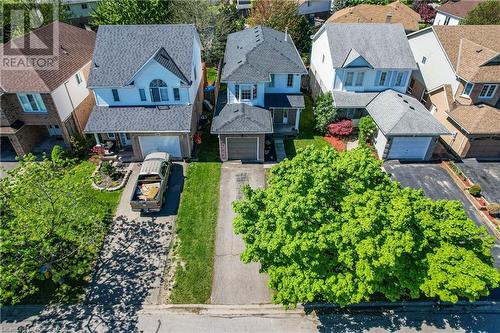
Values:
[(475, 190), (427, 13), (107, 169), (493, 208), (324, 112), (340, 128), (81, 145), (367, 129)]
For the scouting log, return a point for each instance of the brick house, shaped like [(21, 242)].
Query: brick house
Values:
[(40, 103)]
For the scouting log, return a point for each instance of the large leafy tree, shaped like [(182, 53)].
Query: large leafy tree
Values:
[(335, 228), (132, 12), (324, 112), (213, 22), (487, 12), (50, 234), (282, 15)]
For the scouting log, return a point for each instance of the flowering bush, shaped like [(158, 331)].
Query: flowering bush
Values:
[(427, 13), (97, 150), (340, 128)]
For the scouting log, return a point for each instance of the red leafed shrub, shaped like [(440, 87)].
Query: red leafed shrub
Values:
[(340, 128), (427, 13)]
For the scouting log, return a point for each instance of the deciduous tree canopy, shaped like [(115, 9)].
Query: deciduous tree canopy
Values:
[(487, 12), (334, 227)]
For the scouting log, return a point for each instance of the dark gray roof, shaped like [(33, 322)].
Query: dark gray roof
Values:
[(346, 99), (174, 118), (121, 50), (255, 53), (381, 45), (241, 119), (402, 115), (284, 101)]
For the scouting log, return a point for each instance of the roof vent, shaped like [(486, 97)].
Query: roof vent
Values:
[(64, 50), (479, 50), (163, 107), (399, 95), (404, 100), (388, 18), (411, 107), (240, 61), (480, 106)]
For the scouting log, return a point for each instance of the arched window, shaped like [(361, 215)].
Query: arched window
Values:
[(159, 92)]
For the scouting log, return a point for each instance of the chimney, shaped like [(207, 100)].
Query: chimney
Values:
[(388, 18), (286, 34)]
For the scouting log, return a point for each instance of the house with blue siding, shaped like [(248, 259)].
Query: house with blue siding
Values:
[(148, 86), (262, 70)]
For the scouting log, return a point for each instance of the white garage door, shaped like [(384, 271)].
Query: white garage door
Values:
[(406, 148), (242, 148), (168, 144)]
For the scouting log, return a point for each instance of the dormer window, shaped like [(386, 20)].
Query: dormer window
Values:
[(158, 90), (488, 91), (349, 79), (467, 89)]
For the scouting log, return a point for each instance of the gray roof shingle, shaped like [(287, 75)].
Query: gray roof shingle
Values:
[(402, 115), (346, 99), (255, 53), (174, 118), (121, 50), (241, 119), (381, 45), (284, 101)]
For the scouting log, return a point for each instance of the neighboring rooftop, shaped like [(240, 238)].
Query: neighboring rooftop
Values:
[(458, 8), (380, 45), (121, 50), (241, 118), (253, 54), (472, 50), (394, 12), (347, 99), (402, 115), (477, 119), (174, 118), (74, 52)]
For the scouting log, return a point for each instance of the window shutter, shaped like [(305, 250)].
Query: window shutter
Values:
[(377, 78)]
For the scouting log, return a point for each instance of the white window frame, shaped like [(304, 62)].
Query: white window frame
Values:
[(398, 81), (116, 97), (486, 89), (237, 92), (243, 89), (424, 60), (28, 105), (162, 92), (349, 79), (467, 94), (379, 83), (177, 96), (142, 95), (79, 78), (359, 83), (447, 20), (273, 81), (289, 80)]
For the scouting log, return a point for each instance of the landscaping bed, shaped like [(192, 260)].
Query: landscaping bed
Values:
[(110, 177)]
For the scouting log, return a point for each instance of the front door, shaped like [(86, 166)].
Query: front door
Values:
[(54, 130), (285, 117), (125, 139)]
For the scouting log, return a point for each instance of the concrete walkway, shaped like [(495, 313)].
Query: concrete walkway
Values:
[(235, 282)]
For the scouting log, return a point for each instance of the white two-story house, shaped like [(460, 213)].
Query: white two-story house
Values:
[(148, 87), (262, 71), (367, 68)]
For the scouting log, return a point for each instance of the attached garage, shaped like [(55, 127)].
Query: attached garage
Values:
[(165, 143), (246, 148), (410, 148)]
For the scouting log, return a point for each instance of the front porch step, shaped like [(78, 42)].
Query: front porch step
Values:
[(279, 146)]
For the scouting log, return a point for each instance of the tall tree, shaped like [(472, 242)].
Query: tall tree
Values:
[(282, 15), (335, 228), (487, 12), (49, 232), (132, 12)]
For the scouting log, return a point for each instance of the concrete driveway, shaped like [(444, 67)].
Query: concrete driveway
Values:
[(437, 184), (234, 281), (486, 174), (132, 262)]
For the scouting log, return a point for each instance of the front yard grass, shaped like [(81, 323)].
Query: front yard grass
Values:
[(307, 133), (196, 222)]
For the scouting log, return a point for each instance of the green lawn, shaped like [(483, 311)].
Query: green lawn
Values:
[(211, 75), (307, 134), (196, 222)]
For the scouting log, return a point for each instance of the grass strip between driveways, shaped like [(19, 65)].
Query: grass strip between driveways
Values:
[(196, 223)]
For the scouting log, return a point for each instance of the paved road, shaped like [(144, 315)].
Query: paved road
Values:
[(486, 174), (209, 319), (436, 184), (235, 282)]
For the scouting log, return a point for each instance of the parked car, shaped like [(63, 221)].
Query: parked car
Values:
[(151, 184)]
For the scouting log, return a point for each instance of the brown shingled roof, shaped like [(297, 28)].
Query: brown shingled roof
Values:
[(458, 8), (477, 119), (75, 51), (400, 13), (469, 47)]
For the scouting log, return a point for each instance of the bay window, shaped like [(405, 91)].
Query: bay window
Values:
[(32, 102)]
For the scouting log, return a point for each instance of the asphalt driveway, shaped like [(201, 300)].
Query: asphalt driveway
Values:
[(436, 184), (486, 174), (131, 265), (234, 281)]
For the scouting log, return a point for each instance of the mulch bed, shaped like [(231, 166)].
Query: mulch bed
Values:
[(336, 143)]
